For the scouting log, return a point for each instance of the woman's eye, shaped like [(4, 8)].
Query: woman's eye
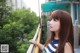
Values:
[(55, 19), (50, 19)]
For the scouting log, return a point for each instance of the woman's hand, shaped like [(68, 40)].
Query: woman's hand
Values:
[(36, 43), (32, 41)]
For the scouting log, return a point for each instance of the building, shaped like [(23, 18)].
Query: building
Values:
[(16, 4)]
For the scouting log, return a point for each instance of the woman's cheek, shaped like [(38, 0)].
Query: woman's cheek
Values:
[(56, 27)]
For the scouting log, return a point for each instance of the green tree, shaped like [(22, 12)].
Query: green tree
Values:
[(21, 24), (4, 12), (44, 28)]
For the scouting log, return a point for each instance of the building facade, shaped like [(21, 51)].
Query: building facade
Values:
[(16, 4)]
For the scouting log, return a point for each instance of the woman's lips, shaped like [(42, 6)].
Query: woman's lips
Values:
[(50, 27)]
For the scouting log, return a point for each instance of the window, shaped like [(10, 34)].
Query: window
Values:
[(78, 14)]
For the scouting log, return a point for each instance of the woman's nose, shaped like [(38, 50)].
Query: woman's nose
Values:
[(51, 22)]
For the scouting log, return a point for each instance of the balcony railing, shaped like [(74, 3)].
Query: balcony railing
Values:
[(32, 48)]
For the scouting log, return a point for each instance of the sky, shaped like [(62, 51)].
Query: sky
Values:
[(33, 5)]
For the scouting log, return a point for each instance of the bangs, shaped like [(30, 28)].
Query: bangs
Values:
[(54, 16)]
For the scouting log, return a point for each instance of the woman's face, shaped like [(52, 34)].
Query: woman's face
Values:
[(54, 25)]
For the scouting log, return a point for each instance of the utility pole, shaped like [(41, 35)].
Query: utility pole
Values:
[(39, 13)]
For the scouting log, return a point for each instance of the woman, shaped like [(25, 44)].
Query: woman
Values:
[(62, 36)]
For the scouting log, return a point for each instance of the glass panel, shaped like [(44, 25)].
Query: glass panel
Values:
[(79, 22)]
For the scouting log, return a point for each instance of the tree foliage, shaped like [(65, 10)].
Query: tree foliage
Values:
[(4, 12), (16, 27)]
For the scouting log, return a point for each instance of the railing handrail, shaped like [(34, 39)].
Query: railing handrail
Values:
[(36, 50), (30, 49)]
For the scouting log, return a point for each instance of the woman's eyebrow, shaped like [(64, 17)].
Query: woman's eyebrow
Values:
[(50, 17)]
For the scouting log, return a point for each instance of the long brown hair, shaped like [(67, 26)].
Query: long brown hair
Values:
[(66, 30)]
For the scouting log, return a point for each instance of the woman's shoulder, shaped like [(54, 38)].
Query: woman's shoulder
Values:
[(67, 44), (67, 48)]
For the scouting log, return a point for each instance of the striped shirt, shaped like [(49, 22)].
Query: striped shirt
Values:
[(51, 48)]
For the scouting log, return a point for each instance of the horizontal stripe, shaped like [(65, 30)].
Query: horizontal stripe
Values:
[(56, 45), (52, 48), (47, 50)]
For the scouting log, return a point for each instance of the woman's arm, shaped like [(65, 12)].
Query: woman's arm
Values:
[(40, 46), (37, 43), (67, 48)]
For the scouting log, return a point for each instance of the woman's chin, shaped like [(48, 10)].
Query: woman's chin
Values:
[(51, 30)]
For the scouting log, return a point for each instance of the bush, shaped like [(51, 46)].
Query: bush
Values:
[(20, 27)]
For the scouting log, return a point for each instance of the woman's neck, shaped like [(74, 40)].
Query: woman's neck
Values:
[(56, 36)]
